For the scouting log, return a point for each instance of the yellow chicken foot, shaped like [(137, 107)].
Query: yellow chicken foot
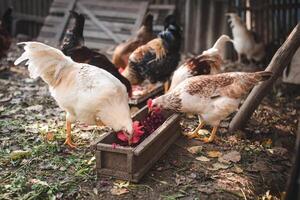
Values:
[(68, 135), (166, 86), (212, 135), (195, 134)]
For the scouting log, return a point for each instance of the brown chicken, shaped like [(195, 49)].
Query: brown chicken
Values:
[(73, 46), (5, 37), (144, 35), (211, 97)]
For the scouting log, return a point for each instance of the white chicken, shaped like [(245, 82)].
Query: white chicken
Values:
[(87, 93), (209, 62), (212, 97), (244, 40)]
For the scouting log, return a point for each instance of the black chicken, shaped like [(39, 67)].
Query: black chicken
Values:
[(158, 59), (73, 46), (5, 28)]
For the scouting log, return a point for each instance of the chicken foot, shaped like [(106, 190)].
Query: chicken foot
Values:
[(212, 135), (195, 134), (68, 135)]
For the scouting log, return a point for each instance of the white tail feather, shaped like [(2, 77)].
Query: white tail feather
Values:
[(42, 58)]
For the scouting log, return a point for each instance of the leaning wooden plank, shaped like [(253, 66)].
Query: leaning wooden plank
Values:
[(293, 183), (109, 4), (279, 61), (100, 34), (98, 23), (114, 14)]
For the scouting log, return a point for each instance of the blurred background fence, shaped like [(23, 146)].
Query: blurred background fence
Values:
[(203, 21)]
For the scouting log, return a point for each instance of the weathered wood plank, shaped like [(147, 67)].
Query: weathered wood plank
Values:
[(140, 16), (97, 34), (109, 4), (98, 23)]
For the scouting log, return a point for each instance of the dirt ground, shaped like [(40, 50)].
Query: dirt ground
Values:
[(35, 164)]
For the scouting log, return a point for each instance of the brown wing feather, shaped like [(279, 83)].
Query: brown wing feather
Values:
[(233, 85), (155, 45), (204, 64)]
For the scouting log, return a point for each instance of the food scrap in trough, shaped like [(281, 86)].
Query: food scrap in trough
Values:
[(142, 129)]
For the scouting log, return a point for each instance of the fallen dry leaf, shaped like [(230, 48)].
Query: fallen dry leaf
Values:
[(214, 154), (179, 179), (267, 143), (121, 184), (217, 166), (233, 156), (118, 191), (49, 136), (195, 149), (203, 159), (237, 169), (203, 132), (39, 182)]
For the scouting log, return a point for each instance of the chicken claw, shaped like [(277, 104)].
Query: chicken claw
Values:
[(195, 134), (70, 143), (212, 136)]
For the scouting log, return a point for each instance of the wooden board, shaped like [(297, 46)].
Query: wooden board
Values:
[(55, 23), (108, 23), (131, 163), (141, 101)]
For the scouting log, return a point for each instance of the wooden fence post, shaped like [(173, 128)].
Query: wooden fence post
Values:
[(279, 61)]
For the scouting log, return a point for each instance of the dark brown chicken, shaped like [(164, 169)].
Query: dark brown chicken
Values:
[(73, 46), (5, 37), (144, 35)]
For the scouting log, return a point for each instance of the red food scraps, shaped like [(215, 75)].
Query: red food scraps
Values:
[(144, 128)]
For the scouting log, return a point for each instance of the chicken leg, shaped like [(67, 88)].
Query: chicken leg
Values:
[(195, 134), (68, 135), (166, 86), (212, 135)]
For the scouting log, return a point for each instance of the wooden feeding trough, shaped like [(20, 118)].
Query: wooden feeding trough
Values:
[(141, 100), (131, 163)]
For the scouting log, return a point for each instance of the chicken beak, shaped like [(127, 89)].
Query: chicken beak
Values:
[(129, 138)]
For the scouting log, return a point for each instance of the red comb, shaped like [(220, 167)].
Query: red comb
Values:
[(149, 103), (137, 133)]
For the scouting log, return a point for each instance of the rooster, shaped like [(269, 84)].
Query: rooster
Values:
[(73, 46), (209, 62), (87, 93), (144, 35), (156, 60), (212, 97), (5, 37), (245, 41)]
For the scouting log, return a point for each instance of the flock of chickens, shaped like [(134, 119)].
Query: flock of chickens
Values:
[(94, 90)]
